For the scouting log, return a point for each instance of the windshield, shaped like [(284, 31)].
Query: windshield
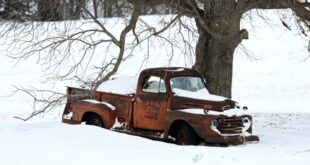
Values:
[(192, 87), (187, 83)]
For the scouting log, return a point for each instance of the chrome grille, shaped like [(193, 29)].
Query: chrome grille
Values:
[(230, 125)]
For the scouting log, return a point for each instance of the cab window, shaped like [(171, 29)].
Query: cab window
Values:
[(153, 84)]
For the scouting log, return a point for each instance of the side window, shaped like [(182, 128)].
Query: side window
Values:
[(154, 84)]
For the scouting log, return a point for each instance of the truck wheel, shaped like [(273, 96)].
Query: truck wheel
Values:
[(94, 120), (186, 135)]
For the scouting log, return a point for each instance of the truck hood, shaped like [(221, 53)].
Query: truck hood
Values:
[(220, 105)]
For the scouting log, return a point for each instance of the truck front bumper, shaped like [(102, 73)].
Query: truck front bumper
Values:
[(231, 140)]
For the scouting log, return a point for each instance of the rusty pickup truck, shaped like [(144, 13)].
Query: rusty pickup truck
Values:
[(169, 104)]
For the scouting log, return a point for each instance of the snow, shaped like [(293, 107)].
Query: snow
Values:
[(202, 94), (122, 85), (116, 124), (110, 106), (177, 70), (276, 88), (68, 116), (229, 113), (284, 140)]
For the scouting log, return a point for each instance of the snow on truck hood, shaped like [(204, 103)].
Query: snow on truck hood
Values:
[(202, 94)]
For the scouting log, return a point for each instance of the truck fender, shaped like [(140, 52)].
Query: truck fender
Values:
[(173, 127), (107, 115)]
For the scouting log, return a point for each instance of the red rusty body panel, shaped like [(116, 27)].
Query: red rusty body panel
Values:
[(104, 112), (150, 111), (186, 103), (123, 105), (154, 110)]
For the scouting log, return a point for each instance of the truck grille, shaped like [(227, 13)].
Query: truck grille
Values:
[(230, 125)]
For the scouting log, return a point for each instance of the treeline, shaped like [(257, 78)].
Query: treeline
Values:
[(58, 10)]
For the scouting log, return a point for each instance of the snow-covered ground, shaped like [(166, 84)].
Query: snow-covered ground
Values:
[(276, 88), (284, 140)]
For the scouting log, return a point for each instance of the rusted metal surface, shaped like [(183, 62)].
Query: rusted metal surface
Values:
[(103, 111), (150, 111), (150, 114), (186, 103)]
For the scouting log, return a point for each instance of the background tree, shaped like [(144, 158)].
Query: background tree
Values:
[(75, 8), (49, 10), (218, 24), (15, 9), (57, 10)]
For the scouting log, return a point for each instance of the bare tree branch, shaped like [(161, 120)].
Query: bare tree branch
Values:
[(41, 104), (300, 8), (131, 26), (100, 24)]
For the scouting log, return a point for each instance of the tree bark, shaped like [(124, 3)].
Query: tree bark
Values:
[(95, 6), (214, 59), (214, 55)]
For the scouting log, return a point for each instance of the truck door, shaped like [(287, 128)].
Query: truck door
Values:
[(151, 104)]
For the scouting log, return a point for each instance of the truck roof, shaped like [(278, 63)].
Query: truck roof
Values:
[(170, 71)]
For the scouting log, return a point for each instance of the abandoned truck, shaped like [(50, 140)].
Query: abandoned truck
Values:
[(169, 104)]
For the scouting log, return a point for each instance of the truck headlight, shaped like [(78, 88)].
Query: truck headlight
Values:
[(245, 108), (246, 123), (214, 124)]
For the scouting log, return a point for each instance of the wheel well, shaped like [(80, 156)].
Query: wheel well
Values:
[(175, 126), (87, 114)]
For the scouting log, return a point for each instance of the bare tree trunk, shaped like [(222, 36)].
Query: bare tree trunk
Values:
[(214, 60), (95, 6), (214, 55), (74, 9), (118, 9), (71, 9), (108, 8), (78, 8)]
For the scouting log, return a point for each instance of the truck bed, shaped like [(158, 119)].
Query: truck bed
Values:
[(123, 103)]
